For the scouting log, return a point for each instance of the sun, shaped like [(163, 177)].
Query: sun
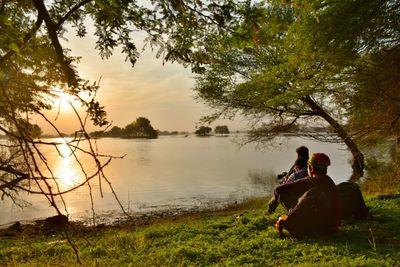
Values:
[(63, 101)]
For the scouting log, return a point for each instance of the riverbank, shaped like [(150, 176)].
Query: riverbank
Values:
[(239, 235)]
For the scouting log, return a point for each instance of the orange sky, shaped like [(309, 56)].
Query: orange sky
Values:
[(160, 93)]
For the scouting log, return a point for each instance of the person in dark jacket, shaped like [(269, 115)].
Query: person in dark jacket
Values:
[(312, 203)]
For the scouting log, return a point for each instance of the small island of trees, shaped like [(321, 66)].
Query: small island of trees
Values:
[(220, 130), (140, 128), (203, 131)]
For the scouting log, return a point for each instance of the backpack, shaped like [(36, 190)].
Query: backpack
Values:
[(352, 201)]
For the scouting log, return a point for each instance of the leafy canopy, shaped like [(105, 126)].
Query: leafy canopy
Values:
[(287, 65)]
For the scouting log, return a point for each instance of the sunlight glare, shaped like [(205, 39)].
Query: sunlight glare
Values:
[(63, 101), (65, 170)]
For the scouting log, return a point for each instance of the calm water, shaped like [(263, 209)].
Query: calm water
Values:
[(177, 172)]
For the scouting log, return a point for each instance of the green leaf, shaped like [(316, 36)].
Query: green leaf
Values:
[(14, 47)]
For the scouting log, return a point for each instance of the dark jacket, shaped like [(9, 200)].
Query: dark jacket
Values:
[(312, 204)]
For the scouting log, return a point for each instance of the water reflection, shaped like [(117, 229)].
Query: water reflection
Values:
[(65, 172), (66, 168)]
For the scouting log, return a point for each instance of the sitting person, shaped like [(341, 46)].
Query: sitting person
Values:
[(302, 153), (312, 203), (300, 171)]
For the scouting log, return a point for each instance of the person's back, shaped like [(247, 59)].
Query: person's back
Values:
[(317, 210)]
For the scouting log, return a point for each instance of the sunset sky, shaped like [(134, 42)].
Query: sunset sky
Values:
[(161, 93)]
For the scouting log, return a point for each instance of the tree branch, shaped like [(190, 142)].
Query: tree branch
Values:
[(52, 32), (69, 13)]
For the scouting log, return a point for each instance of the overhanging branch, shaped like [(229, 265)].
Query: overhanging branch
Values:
[(52, 32)]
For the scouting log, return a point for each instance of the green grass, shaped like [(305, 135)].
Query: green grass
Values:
[(217, 238)]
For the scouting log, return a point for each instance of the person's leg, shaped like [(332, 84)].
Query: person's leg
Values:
[(272, 204)]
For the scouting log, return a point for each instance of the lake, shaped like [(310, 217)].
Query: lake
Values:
[(177, 172)]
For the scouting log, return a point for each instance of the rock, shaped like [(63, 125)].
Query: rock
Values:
[(12, 230), (16, 227), (55, 223), (100, 226)]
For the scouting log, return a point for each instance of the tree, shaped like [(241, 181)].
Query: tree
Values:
[(368, 47), (141, 128), (114, 132), (35, 130), (203, 131), (221, 129), (293, 63), (261, 69), (376, 104), (289, 64), (35, 68), (271, 61), (361, 38)]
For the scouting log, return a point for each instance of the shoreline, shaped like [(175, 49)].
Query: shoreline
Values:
[(141, 218)]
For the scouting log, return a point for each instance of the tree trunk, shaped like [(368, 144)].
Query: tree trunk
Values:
[(396, 153), (358, 158)]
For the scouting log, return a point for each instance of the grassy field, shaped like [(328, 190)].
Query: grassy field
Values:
[(243, 235)]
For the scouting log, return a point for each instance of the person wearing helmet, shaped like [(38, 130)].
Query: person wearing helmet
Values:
[(312, 202)]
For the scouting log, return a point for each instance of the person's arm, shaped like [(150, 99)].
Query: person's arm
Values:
[(300, 186), (289, 179), (291, 171), (288, 194)]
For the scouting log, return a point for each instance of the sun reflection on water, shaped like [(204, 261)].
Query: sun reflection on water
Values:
[(66, 168)]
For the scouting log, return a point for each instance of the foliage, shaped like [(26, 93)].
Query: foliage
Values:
[(267, 66), (383, 177), (168, 132), (140, 128), (221, 129), (362, 38), (239, 236), (286, 64), (203, 131), (115, 131), (376, 104)]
